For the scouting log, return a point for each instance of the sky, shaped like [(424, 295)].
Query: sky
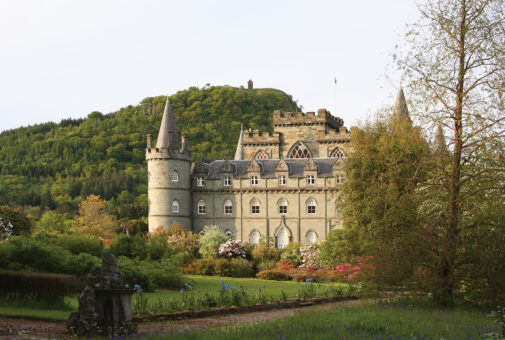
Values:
[(61, 59)]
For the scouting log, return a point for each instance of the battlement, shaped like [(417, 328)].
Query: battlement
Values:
[(257, 137), (157, 153), (322, 117)]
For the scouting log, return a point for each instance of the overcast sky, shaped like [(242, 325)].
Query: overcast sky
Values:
[(61, 59)]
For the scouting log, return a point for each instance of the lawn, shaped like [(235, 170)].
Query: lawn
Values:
[(200, 284), (394, 321)]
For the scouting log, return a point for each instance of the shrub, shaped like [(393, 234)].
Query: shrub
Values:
[(264, 253), (292, 254), (339, 247), (77, 244), (46, 286), (152, 275), (234, 268), (21, 224), (130, 246), (211, 240), (267, 265), (134, 273), (277, 275), (232, 249), (80, 265), (310, 256)]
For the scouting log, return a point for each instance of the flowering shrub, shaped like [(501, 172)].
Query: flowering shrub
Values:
[(212, 238), (231, 249), (6, 229), (292, 254), (310, 256), (277, 275)]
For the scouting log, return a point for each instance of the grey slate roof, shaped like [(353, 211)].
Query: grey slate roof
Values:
[(324, 165), (168, 136)]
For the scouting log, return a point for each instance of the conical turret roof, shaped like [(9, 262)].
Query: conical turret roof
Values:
[(239, 153), (439, 146), (168, 138), (401, 109)]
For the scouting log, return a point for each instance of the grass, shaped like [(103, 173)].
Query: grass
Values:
[(394, 321)]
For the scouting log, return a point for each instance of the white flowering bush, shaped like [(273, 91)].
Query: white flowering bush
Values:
[(231, 249), (310, 256), (6, 229)]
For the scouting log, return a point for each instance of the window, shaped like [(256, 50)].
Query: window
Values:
[(339, 179), (228, 207), (202, 209), (255, 206), (227, 181), (174, 176), (299, 150), (175, 207), (229, 234), (337, 153), (310, 180), (311, 237), (282, 239), (283, 206), (311, 206), (200, 181), (261, 155), (255, 236), (282, 180), (254, 180)]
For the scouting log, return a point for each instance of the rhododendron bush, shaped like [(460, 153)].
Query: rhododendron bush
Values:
[(231, 249)]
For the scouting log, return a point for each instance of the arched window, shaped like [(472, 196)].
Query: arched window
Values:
[(174, 176), (282, 239), (255, 206), (229, 234), (337, 153), (202, 209), (311, 206), (254, 237), (311, 237), (175, 206), (261, 155), (299, 150), (228, 207), (283, 206)]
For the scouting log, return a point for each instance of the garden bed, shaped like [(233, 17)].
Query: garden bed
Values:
[(291, 303)]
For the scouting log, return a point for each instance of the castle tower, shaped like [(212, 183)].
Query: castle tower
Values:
[(168, 171), (401, 110)]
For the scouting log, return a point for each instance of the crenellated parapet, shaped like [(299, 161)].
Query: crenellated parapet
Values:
[(255, 137), (323, 117)]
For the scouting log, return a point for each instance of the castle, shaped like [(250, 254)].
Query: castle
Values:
[(282, 185)]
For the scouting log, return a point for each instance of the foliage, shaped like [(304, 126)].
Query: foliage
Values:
[(21, 224), (277, 275), (133, 247), (236, 267), (53, 223), (310, 256), (38, 285), (210, 241), (263, 253), (93, 219), (151, 275), (77, 244), (232, 249), (338, 247), (455, 65), (291, 254), (266, 265)]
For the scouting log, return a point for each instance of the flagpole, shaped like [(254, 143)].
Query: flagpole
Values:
[(335, 112)]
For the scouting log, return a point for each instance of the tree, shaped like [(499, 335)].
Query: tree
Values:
[(53, 223), (210, 241), (15, 220), (455, 66), (379, 203), (93, 220)]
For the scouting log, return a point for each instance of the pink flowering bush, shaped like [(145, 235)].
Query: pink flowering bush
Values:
[(232, 249), (310, 256)]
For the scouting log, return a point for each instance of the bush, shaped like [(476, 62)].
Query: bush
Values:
[(339, 247), (134, 273), (211, 240), (292, 254), (221, 267), (310, 256), (264, 253), (77, 244), (267, 265), (130, 246), (277, 275), (232, 249), (21, 224), (46, 286)]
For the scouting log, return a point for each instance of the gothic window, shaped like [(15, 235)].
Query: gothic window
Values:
[(175, 207), (261, 155), (282, 239), (227, 181), (282, 180), (299, 150), (255, 206), (200, 181), (283, 206), (174, 176), (311, 237), (310, 180), (254, 237), (228, 207), (311, 206), (254, 180), (202, 209), (337, 153)]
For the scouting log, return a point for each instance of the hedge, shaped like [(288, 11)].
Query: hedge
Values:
[(41, 285)]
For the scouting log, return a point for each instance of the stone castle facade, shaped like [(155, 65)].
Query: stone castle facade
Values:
[(282, 185)]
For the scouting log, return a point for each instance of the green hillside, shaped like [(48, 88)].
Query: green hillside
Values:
[(53, 166)]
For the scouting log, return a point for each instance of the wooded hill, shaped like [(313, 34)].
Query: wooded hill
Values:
[(56, 165)]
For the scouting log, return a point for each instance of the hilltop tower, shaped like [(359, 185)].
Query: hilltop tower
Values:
[(168, 171)]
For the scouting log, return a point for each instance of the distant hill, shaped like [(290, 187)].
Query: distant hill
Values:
[(54, 166)]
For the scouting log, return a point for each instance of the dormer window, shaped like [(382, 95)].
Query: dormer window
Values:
[(200, 181), (310, 180), (227, 181), (339, 179), (254, 180), (282, 180)]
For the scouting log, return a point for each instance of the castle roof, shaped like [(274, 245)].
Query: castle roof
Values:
[(296, 167), (239, 153), (401, 109), (168, 138), (439, 145)]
